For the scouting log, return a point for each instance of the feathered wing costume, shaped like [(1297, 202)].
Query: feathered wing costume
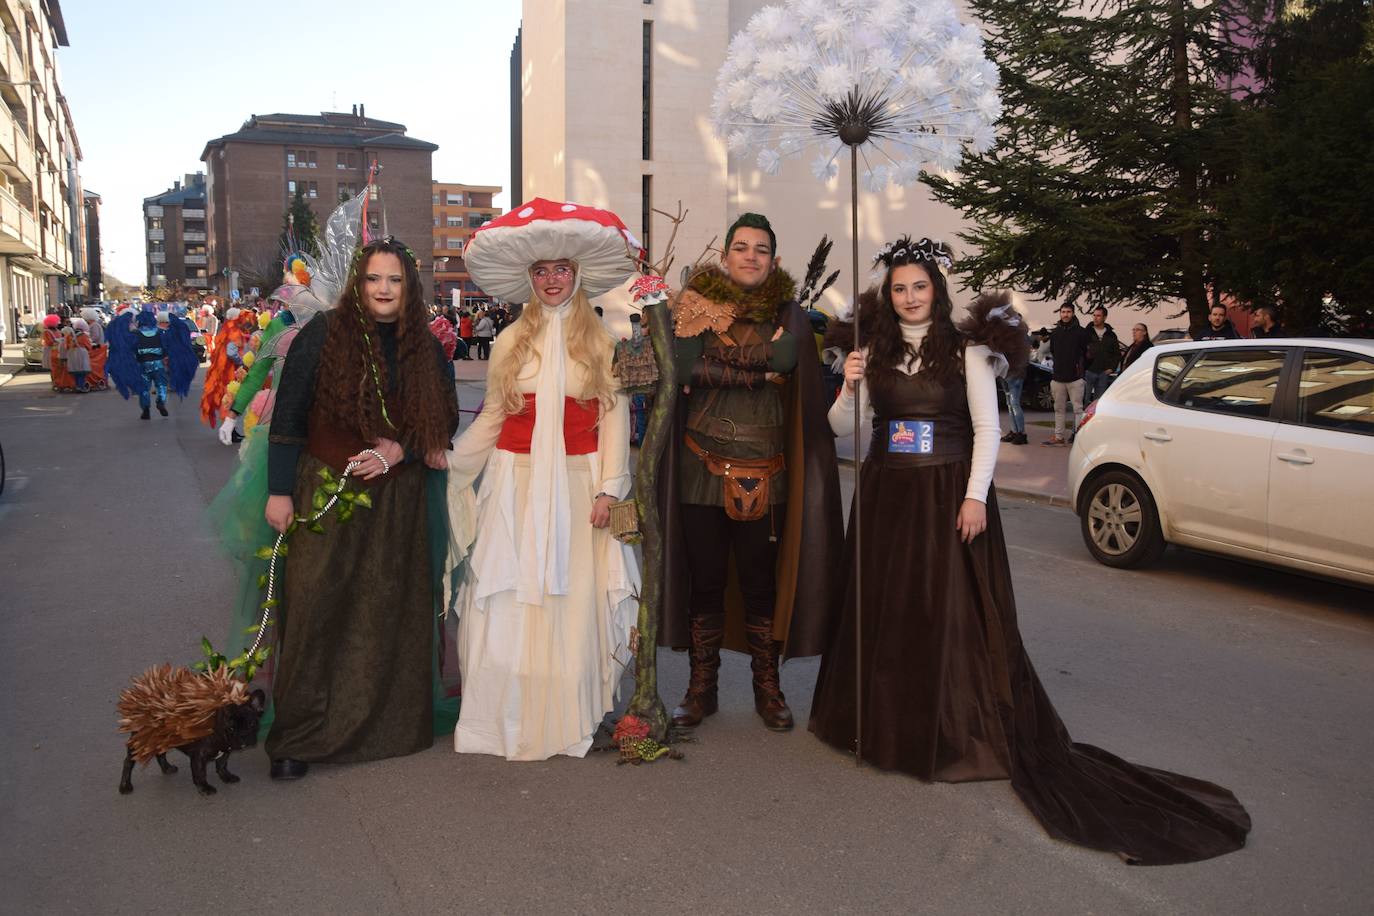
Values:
[(130, 375)]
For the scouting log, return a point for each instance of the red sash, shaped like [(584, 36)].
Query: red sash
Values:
[(579, 427)]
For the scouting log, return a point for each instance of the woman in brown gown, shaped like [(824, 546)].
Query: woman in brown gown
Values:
[(949, 694), (364, 382)]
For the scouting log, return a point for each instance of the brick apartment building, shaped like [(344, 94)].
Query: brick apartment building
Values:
[(174, 235), (254, 172), (459, 209)]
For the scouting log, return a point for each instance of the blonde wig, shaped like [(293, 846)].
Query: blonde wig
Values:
[(589, 344)]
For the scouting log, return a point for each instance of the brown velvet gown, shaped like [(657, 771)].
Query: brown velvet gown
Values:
[(949, 693)]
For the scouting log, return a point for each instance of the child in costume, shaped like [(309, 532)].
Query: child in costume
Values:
[(226, 367)]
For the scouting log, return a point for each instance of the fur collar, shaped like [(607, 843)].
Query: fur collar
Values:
[(712, 301)]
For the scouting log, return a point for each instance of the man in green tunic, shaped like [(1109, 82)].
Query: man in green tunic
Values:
[(752, 478)]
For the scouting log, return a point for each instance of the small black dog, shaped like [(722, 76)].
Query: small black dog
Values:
[(236, 727)]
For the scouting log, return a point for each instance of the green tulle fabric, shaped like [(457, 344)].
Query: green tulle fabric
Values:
[(237, 516)]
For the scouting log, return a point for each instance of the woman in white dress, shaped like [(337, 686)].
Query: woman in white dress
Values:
[(548, 597)]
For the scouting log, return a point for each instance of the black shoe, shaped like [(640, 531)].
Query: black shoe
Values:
[(1009, 437), (289, 768), (162, 407), (1020, 439), (235, 436), (144, 415)]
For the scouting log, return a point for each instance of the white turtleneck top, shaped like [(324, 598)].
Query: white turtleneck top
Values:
[(980, 385)]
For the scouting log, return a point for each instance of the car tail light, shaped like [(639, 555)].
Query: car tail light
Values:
[(1088, 413)]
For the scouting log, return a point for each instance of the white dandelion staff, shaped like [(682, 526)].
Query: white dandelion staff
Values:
[(902, 83)]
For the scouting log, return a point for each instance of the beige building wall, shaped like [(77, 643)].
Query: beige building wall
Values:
[(581, 83)]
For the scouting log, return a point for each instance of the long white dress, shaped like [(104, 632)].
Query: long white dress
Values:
[(543, 640)]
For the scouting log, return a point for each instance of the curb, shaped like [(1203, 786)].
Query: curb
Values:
[(1056, 500)]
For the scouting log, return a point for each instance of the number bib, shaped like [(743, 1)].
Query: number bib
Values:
[(911, 437)]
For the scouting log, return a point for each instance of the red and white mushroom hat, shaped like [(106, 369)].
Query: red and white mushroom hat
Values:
[(499, 254)]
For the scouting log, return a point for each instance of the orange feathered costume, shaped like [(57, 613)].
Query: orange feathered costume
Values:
[(227, 364)]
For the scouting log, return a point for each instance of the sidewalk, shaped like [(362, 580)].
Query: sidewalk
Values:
[(12, 363), (1030, 471)]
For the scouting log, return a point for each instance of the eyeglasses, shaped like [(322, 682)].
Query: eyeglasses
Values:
[(560, 272)]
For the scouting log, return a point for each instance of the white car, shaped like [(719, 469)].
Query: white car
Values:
[(1259, 449)]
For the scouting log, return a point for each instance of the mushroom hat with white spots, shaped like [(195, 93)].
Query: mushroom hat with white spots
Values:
[(499, 255)]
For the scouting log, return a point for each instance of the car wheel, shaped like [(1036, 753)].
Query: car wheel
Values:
[(1044, 398), (1119, 521)]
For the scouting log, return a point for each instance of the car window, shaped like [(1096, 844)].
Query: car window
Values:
[(1336, 391), (1167, 369), (1239, 382)]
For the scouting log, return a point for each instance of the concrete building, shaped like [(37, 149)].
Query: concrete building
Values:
[(612, 109), (174, 233), (42, 234), (459, 209), (253, 173)]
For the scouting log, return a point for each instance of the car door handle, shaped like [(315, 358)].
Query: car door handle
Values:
[(1159, 435), (1292, 458)]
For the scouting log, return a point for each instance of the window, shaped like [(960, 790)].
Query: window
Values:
[(155, 222), (455, 200), (646, 88), (436, 222), (438, 242), (347, 190), (312, 189), (455, 221), (290, 159), (345, 160), (309, 156), (436, 200), (1167, 370), (646, 206), (373, 191), (1336, 391), (291, 187), (1239, 382), (455, 244), (475, 220)]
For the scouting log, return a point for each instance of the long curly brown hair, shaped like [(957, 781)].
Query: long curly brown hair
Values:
[(941, 352), (353, 372)]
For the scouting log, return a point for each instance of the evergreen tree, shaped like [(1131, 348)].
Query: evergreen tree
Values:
[(1298, 232), (299, 223), (1097, 190)]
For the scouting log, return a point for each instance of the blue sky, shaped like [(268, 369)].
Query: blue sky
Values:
[(150, 81)]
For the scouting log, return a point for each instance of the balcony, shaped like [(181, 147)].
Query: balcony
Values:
[(192, 236), (18, 228), (198, 282), (193, 214), (11, 61), (157, 257), (153, 210), (16, 152), (195, 259), (157, 235)]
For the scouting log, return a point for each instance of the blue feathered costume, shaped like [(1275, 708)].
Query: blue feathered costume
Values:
[(147, 359)]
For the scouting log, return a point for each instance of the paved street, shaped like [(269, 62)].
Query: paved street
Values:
[(1256, 679)]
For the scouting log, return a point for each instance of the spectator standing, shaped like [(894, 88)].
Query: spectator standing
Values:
[(1140, 342), (1016, 384), (1218, 327), (483, 331), (1104, 355), (465, 332), (1069, 349), (1266, 323)]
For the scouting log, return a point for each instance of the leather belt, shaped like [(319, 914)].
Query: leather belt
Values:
[(724, 430)]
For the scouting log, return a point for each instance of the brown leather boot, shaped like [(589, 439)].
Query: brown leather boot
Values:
[(764, 651), (707, 635)]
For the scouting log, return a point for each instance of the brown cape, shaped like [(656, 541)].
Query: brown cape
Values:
[(811, 569)]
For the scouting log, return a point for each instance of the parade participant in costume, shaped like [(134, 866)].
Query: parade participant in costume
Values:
[(148, 359), (52, 350), (752, 473), (365, 383), (948, 691), (226, 366), (96, 378), (79, 354), (549, 597)]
